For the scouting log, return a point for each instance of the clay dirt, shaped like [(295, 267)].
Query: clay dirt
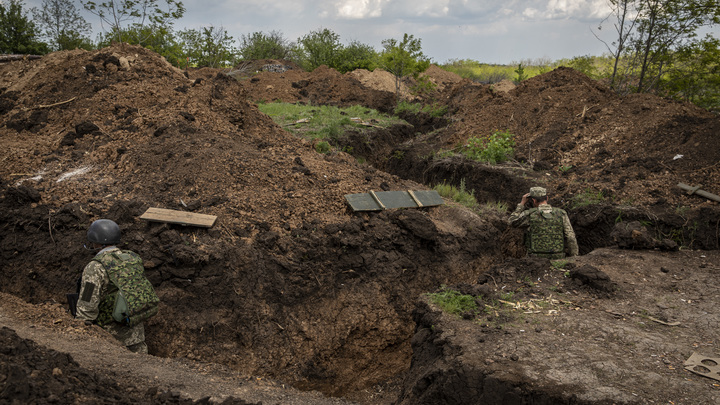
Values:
[(291, 297)]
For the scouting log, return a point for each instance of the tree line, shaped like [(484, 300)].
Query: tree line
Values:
[(656, 47), (58, 25)]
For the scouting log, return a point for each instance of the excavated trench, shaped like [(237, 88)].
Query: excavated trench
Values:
[(407, 151), (321, 307)]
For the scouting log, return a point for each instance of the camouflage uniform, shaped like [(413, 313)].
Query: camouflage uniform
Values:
[(94, 287), (549, 232)]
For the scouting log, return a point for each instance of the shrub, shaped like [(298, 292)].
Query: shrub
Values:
[(496, 148), (322, 147)]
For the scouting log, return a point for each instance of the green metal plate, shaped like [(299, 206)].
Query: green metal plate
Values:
[(393, 199)]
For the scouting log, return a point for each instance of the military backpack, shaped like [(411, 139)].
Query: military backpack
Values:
[(131, 298), (546, 233)]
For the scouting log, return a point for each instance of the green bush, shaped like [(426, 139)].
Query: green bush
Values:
[(497, 148), (322, 147)]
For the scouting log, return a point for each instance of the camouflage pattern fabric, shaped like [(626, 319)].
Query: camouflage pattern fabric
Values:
[(132, 289), (549, 232), (95, 284)]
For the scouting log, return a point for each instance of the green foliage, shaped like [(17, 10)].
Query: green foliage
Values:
[(695, 75), (321, 47), (135, 14), (423, 86), (323, 147), (649, 35), (453, 302), (496, 148), (357, 55), (407, 107), (495, 206), (584, 64), (489, 73), (403, 58), (458, 194), (209, 47), (323, 122), (520, 72), (62, 24), (259, 45), (18, 34)]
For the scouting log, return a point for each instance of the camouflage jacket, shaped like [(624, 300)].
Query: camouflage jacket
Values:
[(563, 236), (95, 286)]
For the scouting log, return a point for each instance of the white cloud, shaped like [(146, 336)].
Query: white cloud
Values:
[(359, 9)]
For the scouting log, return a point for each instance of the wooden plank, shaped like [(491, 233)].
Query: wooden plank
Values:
[(419, 204), (178, 217), (377, 199)]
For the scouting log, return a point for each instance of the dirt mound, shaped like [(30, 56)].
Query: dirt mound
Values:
[(322, 86), (635, 149)]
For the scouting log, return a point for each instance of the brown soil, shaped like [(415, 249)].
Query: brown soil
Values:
[(292, 291)]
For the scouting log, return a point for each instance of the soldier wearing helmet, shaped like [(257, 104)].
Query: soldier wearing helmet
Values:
[(548, 230), (96, 287)]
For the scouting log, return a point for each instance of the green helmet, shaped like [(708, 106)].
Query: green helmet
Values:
[(104, 232)]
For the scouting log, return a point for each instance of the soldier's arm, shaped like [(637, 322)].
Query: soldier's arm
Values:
[(94, 281), (570, 240), (519, 217)]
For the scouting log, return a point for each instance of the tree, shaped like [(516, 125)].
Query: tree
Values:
[(319, 47), (18, 34), (357, 55), (651, 31), (155, 38), (695, 75), (264, 46), (137, 13), (209, 47), (63, 25), (403, 58)]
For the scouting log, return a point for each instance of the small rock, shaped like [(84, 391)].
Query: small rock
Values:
[(514, 357), (664, 270), (57, 372)]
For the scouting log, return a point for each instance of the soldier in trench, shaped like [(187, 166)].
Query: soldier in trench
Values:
[(548, 232), (96, 299)]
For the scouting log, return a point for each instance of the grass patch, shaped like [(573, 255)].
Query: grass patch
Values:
[(496, 206), (453, 302), (324, 122), (458, 194)]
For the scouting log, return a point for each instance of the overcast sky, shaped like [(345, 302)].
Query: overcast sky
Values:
[(489, 31)]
